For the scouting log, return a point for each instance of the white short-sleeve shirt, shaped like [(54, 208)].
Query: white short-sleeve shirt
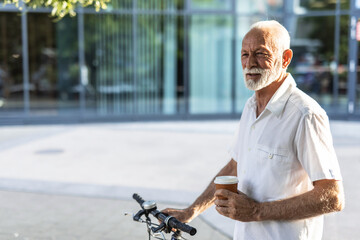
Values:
[(279, 154)]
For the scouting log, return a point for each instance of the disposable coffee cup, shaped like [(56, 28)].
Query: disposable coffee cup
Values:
[(226, 182)]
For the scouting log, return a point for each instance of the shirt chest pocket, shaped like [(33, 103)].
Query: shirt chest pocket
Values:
[(272, 154)]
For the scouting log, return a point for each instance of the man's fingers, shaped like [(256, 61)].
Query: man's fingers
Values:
[(221, 203), (222, 210), (222, 193)]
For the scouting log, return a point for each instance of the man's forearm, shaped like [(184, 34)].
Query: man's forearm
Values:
[(326, 197), (207, 198)]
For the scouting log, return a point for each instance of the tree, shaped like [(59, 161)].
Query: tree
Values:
[(60, 8)]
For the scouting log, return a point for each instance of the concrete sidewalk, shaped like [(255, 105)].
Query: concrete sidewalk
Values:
[(55, 217), (75, 181)]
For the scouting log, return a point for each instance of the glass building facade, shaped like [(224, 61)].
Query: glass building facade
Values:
[(167, 59)]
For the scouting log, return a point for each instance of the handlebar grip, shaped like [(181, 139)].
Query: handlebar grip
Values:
[(171, 222), (138, 199), (174, 223)]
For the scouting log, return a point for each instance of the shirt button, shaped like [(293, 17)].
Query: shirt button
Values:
[(271, 155), (253, 127), (249, 149)]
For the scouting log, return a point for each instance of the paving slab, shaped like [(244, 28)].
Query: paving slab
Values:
[(66, 167), (34, 216)]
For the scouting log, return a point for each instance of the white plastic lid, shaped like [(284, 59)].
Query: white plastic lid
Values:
[(226, 180)]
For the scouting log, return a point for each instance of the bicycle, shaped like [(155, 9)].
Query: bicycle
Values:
[(168, 224)]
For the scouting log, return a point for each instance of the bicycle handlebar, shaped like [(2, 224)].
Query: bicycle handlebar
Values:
[(170, 222), (138, 199)]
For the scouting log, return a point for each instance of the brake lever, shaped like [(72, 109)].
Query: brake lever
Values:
[(138, 216), (160, 228)]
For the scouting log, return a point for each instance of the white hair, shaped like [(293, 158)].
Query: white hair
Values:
[(283, 36)]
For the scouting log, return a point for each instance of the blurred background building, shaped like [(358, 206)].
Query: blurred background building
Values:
[(167, 59)]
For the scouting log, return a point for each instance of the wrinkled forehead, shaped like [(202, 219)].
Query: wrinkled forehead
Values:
[(257, 38)]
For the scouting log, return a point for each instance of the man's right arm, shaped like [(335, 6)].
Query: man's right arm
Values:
[(205, 200)]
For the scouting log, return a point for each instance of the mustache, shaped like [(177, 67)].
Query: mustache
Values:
[(254, 71)]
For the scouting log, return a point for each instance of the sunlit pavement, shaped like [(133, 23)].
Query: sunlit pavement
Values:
[(76, 181)]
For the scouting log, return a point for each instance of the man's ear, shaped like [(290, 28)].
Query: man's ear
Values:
[(287, 56)]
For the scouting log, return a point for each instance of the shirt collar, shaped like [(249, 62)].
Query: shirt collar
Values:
[(277, 103), (278, 100)]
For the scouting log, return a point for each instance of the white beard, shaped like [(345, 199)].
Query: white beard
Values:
[(267, 77)]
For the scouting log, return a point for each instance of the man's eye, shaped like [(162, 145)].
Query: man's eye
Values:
[(245, 55), (261, 54)]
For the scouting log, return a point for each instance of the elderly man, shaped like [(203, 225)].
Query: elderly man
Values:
[(282, 154)]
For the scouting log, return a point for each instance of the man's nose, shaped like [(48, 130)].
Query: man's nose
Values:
[(251, 62)]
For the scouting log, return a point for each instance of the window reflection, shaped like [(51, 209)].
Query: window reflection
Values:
[(211, 4), (134, 74), (53, 64), (302, 6), (148, 64), (210, 64), (357, 83), (344, 4), (109, 60), (358, 95), (342, 67), (160, 5), (11, 72), (119, 4), (260, 6), (159, 64), (314, 64)]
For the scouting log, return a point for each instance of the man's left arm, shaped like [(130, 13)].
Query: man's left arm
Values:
[(327, 196)]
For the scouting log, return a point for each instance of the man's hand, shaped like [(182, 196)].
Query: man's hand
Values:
[(183, 215), (236, 206)]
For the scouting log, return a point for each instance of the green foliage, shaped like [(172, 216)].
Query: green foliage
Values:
[(60, 8)]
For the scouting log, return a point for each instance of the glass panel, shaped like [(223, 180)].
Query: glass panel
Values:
[(259, 6), (11, 71), (155, 86), (53, 65), (302, 6), (313, 46), (159, 64), (342, 68), (8, 6), (345, 4), (210, 64), (211, 4), (109, 57), (119, 4), (173, 65), (161, 5), (357, 96), (357, 103)]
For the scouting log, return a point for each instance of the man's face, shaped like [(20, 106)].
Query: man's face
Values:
[(261, 62)]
